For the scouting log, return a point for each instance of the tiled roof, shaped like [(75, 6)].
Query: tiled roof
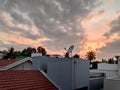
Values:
[(6, 62), (24, 80)]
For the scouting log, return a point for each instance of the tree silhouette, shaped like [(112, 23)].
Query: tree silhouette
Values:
[(76, 56), (117, 58), (111, 61), (28, 51), (24, 52), (41, 50), (67, 55), (10, 54), (91, 55)]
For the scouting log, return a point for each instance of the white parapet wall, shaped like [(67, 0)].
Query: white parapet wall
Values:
[(110, 70), (106, 66)]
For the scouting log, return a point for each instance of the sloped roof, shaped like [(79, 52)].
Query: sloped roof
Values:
[(24, 80), (6, 62)]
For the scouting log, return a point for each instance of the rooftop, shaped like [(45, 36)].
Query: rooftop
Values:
[(24, 80), (7, 62)]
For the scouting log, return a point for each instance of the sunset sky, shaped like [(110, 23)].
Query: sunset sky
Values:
[(56, 24)]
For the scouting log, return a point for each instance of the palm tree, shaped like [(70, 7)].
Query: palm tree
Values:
[(91, 55)]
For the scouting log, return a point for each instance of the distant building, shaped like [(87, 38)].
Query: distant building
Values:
[(36, 54), (108, 69), (113, 83)]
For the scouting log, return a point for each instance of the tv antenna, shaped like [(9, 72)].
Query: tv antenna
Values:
[(69, 51)]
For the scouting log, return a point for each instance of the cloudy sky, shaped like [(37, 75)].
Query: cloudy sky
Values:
[(56, 24)]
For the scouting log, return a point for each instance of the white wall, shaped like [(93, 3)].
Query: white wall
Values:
[(61, 73), (81, 68), (40, 62), (106, 66), (109, 69), (36, 54), (24, 66)]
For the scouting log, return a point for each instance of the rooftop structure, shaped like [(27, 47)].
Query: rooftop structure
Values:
[(6, 62), (109, 69), (66, 73)]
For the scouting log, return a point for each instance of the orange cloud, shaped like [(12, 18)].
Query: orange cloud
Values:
[(111, 0), (96, 25), (118, 12), (60, 52), (36, 43), (96, 30), (92, 45), (26, 41)]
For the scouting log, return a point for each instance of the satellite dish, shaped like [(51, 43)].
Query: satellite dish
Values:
[(70, 49)]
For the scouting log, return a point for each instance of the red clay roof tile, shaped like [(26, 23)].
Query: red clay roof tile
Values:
[(6, 62), (24, 80)]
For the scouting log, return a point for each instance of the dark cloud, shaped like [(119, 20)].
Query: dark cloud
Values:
[(18, 18), (58, 20), (115, 28), (25, 33), (110, 50)]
